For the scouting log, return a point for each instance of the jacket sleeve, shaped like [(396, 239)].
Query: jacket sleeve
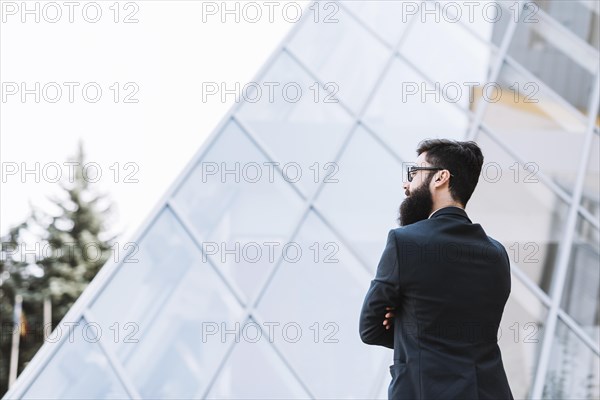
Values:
[(383, 292)]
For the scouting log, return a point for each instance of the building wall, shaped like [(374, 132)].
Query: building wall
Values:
[(181, 307)]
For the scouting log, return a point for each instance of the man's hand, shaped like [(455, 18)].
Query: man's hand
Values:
[(389, 317)]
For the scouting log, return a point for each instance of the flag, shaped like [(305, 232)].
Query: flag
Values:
[(23, 324)]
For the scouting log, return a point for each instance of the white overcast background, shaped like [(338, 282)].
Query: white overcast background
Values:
[(167, 54)]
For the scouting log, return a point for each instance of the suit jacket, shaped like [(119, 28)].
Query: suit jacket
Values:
[(449, 283)]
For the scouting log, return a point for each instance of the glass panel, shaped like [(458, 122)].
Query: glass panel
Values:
[(324, 322), (178, 353), (541, 45), (403, 118), (335, 60), (517, 209), (303, 134), (520, 337), (143, 282), (255, 371), (591, 189), (383, 384), (363, 204), (580, 17), (581, 295), (78, 369), (455, 60), (383, 391), (574, 370), (238, 203), (531, 122), (389, 18), (489, 20), (160, 336)]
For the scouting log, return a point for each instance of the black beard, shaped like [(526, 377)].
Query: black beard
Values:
[(417, 206)]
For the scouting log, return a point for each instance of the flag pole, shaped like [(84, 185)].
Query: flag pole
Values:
[(16, 338), (47, 316)]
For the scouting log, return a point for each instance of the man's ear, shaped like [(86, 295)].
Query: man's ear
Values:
[(439, 176)]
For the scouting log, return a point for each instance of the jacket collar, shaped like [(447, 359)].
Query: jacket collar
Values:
[(452, 210)]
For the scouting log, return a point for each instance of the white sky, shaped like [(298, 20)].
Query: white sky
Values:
[(168, 54)]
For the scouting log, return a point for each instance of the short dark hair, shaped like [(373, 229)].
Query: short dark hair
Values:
[(462, 159)]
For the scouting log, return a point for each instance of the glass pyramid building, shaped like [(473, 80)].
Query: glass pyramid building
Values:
[(247, 279)]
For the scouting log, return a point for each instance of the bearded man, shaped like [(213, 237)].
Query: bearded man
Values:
[(441, 285)]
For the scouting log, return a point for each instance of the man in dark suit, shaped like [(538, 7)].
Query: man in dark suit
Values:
[(441, 285)]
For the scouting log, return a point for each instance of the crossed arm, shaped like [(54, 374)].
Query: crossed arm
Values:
[(382, 297)]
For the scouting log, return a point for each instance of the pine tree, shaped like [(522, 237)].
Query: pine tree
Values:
[(75, 244), (77, 239)]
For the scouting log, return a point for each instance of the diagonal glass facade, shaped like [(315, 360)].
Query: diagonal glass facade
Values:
[(247, 279)]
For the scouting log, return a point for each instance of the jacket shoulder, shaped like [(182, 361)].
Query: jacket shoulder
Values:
[(413, 231), (496, 243)]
